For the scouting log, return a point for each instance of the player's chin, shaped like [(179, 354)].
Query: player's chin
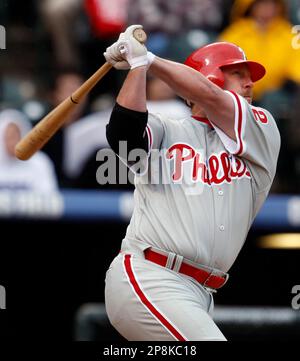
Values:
[(249, 99)]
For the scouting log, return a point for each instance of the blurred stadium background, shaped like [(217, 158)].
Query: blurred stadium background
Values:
[(58, 239)]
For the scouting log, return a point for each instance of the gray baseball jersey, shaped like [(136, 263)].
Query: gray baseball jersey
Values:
[(213, 187), (197, 199)]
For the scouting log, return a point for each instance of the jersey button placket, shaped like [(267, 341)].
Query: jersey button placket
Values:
[(221, 193)]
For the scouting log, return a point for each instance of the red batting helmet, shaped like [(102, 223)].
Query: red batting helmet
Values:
[(210, 59)]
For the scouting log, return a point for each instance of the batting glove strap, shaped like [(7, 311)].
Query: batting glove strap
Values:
[(138, 61), (150, 57)]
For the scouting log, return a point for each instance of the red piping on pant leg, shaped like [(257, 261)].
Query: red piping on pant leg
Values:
[(141, 295)]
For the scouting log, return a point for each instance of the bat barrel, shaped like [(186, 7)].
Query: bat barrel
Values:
[(44, 130)]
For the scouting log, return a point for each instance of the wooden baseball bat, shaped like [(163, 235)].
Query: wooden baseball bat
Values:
[(49, 125)]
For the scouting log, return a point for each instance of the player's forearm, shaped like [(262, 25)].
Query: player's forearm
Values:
[(133, 92), (186, 82)]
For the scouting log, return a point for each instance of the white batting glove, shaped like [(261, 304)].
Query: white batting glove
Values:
[(131, 49), (119, 63), (115, 58), (127, 52), (150, 57)]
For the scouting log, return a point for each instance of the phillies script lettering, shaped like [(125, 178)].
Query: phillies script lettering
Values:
[(217, 169)]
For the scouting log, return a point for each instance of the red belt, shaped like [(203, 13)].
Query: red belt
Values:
[(206, 278)]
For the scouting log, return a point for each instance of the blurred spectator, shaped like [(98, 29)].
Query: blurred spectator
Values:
[(65, 83), (83, 139), (107, 17), (177, 27), (175, 16), (59, 17), (37, 173), (261, 28)]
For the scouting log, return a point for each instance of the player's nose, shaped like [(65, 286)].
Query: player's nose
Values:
[(248, 83)]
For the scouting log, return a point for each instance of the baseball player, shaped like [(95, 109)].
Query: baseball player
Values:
[(217, 165)]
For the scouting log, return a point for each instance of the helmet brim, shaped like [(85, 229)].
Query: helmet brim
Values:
[(257, 70)]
